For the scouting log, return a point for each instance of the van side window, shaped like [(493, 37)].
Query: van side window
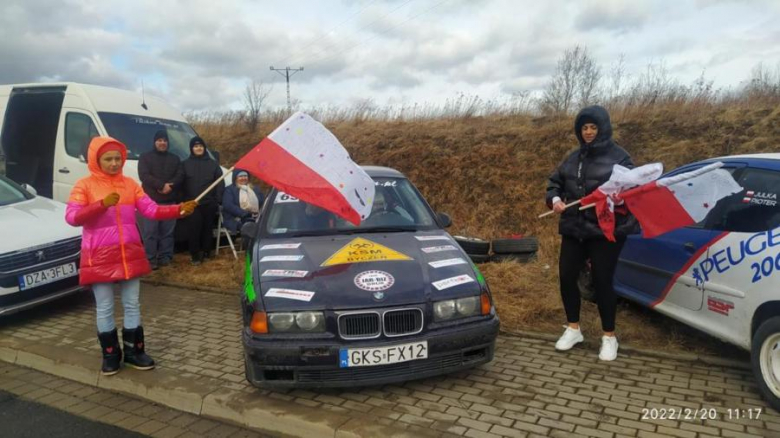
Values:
[(752, 210), (79, 130)]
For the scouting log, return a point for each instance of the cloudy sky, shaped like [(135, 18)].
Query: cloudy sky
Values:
[(200, 54)]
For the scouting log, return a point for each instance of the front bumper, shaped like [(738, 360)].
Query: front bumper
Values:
[(13, 300), (315, 363)]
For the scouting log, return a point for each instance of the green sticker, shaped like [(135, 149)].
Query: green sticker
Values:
[(480, 278), (249, 286)]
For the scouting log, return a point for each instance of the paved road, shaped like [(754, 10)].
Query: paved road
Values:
[(20, 418), (528, 390)]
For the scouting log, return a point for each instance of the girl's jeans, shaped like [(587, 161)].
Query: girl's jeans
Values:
[(104, 304)]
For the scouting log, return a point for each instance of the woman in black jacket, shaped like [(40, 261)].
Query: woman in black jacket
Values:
[(200, 171), (578, 175), (241, 202)]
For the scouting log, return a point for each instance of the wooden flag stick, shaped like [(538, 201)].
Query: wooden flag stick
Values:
[(585, 207), (214, 184), (552, 211)]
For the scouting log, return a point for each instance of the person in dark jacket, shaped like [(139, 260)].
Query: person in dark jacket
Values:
[(200, 171), (241, 202), (161, 176), (580, 173)]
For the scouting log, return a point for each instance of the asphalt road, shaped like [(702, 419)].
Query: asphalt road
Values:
[(20, 418)]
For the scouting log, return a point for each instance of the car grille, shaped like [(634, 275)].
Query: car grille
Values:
[(403, 322), (359, 325), (26, 258)]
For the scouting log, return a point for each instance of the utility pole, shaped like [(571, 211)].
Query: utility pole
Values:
[(287, 75)]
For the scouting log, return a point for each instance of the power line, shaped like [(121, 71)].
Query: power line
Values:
[(287, 75)]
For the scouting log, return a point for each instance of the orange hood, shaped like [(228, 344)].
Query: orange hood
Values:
[(92, 156)]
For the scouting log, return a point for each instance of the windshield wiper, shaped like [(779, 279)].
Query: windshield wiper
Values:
[(398, 229)]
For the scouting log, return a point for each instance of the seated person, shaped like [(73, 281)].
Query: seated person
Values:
[(315, 218), (387, 214), (240, 202)]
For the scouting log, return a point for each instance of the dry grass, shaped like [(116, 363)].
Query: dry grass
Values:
[(489, 174)]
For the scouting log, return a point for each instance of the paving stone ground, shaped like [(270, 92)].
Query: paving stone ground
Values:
[(529, 390), (103, 406)]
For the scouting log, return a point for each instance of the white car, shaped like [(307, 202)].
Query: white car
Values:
[(722, 275), (39, 251)]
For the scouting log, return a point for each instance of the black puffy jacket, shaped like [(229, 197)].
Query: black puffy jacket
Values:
[(156, 168), (582, 172), (199, 173)]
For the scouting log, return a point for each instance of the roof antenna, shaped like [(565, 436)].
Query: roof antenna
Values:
[(143, 97)]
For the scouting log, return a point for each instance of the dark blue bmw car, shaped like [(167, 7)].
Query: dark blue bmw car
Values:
[(329, 304)]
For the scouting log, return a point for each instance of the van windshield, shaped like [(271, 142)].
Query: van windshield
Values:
[(137, 133)]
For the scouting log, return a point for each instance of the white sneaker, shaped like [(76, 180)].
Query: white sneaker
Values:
[(570, 338), (609, 348)]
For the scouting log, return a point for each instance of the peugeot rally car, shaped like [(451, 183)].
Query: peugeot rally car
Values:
[(329, 304), (722, 275), (39, 251)]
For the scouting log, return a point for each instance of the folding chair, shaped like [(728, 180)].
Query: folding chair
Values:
[(219, 231)]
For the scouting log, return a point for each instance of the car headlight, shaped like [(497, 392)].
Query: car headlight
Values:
[(296, 322), (452, 309)]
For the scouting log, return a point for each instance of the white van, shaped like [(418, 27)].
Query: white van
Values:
[(45, 130)]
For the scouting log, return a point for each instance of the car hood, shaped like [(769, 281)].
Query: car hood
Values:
[(399, 274), (34, 222)]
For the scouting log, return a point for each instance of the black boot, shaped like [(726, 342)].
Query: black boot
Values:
[(112, 352), (135, 356)]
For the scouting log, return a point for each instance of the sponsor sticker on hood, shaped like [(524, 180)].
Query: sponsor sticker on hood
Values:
[(281, 246), (452, 282), (448, 262), (282, 258), (374, 281), (290, 294), (284, 273), (361, 250), (427, 238), (432, 249)]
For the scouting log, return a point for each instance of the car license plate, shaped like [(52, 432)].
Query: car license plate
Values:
[(45, 276), (362, 357)]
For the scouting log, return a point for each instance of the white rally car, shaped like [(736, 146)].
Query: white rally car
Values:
[(722, 275), (39, 251)]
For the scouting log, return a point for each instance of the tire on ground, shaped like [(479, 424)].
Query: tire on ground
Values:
[(511, 246), (473, 245), (585, 283), (766, 341), (479, 258)]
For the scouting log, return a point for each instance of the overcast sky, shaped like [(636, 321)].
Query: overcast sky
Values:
[(200, 54)]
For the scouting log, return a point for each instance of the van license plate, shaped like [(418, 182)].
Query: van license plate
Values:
[(362, 357), (45, 276)]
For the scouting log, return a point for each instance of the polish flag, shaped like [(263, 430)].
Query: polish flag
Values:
[(621, 179), (305, 160), (677, 201)]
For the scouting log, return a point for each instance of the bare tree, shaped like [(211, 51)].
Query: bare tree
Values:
[(575, 82), (255, 94)]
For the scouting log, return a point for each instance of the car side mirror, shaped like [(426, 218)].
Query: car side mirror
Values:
[(249, 230), (82, 159), (30, 189), (444, 219), (215, 154)]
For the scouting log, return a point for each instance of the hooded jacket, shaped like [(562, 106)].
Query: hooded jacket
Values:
[(232, 213), (583, 171), (155, 169), (199, 173), (111, 248)]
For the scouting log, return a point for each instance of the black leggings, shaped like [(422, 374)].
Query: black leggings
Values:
[(603, 256), (200, 226)]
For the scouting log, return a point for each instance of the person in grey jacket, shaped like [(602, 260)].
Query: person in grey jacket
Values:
[(580, 173), (161, 176)]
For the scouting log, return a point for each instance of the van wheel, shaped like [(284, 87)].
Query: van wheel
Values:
[(765, 358)]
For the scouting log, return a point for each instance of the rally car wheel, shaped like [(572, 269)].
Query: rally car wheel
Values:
[(765, 356)]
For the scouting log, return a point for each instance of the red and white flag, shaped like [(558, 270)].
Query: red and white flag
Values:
[(305, 160), (621, 179), (674, 202)]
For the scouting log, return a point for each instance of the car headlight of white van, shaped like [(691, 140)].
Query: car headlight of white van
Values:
[(453, 309), (296, 322)]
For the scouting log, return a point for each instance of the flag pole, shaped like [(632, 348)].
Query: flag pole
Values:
[(571, 204), (585, 207), (214, 184)]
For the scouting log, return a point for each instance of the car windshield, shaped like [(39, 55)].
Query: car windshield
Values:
[(397, 206), (137, 133), (11, 193)]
